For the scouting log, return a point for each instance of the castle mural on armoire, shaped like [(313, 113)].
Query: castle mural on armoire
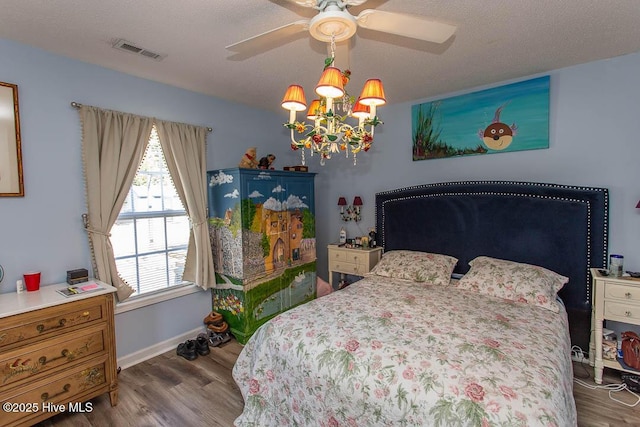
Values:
[(262, 229)]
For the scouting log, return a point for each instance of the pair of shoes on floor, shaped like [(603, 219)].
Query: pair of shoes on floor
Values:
[(190, 349), (213, 318), (216, 323), (215, 339), (219, 329)]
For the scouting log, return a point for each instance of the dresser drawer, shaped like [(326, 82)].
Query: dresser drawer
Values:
[(617, 291), (623, 311), (69, 386), (40, 324), (32, 362)]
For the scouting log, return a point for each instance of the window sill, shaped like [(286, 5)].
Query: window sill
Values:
[(144, 301)]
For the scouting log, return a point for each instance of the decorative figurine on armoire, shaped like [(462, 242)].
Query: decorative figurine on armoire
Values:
[(266, 162)]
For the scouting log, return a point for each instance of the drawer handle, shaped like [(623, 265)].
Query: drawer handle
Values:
[(627, 313), (65, 389), (64, 353), (41, 328), (628, 295)]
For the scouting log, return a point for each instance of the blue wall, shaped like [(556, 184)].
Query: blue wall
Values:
[(594, 140)]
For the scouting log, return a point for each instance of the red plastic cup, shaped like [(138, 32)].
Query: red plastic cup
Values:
[(32, 281)]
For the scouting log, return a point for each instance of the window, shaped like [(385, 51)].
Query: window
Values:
[(151, 233)]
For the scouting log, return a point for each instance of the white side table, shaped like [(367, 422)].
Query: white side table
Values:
[(356, 261), (614, 298)]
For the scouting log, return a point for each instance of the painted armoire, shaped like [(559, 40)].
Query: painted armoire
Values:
[(262, 229)]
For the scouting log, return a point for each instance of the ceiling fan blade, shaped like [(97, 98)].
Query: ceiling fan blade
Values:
[(416, 27), (314, 3), (258, 43), (304, 3)]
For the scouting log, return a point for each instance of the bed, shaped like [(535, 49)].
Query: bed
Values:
[(461, 322)]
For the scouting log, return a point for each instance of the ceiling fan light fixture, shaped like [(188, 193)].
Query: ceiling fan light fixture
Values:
[(316, 110), (373, 93), (330, 84), (330, 133), (360, 111), (294, 99)]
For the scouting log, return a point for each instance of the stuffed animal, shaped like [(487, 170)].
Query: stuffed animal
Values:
[(265, 162), (248, 160)]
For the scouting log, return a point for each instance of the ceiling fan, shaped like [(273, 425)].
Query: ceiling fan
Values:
[(334, 23)]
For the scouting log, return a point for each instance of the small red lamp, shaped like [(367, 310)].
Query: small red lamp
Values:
[(342, 202), (638, 205), (357, 203)]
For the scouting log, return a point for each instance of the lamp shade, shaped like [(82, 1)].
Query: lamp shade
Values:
[(294, 99), (342, 201), (330, 84), (373, 93), (315, 110), (360, 110), (638, 205), (357, 201)]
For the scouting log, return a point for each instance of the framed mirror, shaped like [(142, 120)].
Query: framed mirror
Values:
[(11, 180)]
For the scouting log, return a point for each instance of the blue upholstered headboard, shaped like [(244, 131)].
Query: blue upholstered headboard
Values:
[(560, 227)]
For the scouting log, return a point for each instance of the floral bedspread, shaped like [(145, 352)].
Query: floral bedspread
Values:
[(390, 352)]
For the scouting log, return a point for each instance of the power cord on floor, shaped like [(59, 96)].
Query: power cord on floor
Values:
[(613, 388), (577, 353)]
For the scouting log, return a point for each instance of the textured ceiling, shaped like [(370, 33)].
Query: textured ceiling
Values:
[(496, 40)]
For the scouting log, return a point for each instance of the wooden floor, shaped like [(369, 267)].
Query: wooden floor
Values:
[(168, 390)]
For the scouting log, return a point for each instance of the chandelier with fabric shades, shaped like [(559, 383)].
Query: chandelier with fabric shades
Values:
[(329, 133)]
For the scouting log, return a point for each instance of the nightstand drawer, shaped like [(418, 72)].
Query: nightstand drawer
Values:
[(360, 258), (337, 255), (352, 257), (627, 293), (620, 310), (348, 268)]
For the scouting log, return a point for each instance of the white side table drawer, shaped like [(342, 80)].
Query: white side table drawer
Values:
[(627, 293), (624, 312)]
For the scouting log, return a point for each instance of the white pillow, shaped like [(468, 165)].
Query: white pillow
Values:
[(417, 266), (513, 281)]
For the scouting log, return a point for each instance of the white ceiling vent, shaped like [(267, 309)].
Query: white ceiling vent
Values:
[(131, 48)]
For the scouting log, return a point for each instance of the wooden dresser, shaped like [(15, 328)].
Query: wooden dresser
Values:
[(614, 298), (56, 353)]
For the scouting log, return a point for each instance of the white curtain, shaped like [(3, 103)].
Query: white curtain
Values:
[(113, 144), (184, 148)]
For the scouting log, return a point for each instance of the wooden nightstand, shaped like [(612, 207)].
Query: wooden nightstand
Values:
[(356, 261), (614, 298)]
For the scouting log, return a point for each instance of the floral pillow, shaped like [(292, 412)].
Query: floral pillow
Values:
[(514, 281), (417, 266)]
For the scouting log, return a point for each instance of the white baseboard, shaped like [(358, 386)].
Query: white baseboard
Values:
[(129, 360)]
